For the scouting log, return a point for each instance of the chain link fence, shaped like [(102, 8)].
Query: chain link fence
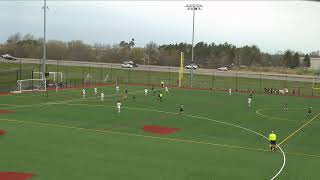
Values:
[(93, 73)]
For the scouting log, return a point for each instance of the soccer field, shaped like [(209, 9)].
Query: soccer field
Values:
[(64, 136)]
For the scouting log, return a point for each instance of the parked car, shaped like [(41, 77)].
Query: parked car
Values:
[(126, 65), (127, 62), (223, 69), (8, 56), (191, 66)]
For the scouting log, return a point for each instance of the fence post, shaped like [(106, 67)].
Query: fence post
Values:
[(67, 76), (89, 73), (100, 71), (286, 81), (260, 82), (17, 75), (32, 78), (236, 80), (20, 69), (212, 79), (169, 77), (128, 76), (149, 77), (111, 76)]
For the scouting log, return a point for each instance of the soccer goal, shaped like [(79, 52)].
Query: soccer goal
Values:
[(56, 77), (31, 85)]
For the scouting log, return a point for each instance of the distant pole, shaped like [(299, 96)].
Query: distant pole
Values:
[(44, 38), (192, 7)]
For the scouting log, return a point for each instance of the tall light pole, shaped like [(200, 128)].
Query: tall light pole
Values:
[(45, 7), (192, 7)]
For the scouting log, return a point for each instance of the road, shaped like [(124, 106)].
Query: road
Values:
[(202, 71)]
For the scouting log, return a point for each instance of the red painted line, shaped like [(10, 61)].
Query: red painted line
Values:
[(15, 176)]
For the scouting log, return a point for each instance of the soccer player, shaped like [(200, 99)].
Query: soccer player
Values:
[(249, 100), (102, 96), (57, 87), (95, 90), (181, 108), (126, 93), (134, 97), (166, 89), (83, 93), (273, 139), (119, 106), (230, 91), (145, 91), (309, 110), (117, 89), (160, 97), (285, 105), (162, 84)]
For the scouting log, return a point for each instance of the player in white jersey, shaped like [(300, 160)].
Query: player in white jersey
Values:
[(102, 96), (95, 91), (249, 100), (83, 93), (166, 89), (57, 87), (117, 89), (145, 91), (119, 106), (230, 91)]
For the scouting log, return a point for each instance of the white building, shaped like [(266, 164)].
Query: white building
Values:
[(315, 63)]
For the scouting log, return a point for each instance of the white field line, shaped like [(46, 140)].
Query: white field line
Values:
[(199, 117), (281, 119), (64, 101), (208, 119)]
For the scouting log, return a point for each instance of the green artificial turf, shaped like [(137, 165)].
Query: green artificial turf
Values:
[(66, 137)]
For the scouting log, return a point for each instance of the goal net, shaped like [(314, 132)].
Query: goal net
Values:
[(54, 77), (31, 85)]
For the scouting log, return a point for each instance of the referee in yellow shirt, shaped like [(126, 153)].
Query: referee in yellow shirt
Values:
[(273, 141)]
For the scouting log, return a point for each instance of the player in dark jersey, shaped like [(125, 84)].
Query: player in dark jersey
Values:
[(309, 110), (134, 97), (181, 109)]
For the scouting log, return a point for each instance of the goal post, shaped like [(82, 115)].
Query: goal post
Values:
[(26, 85)]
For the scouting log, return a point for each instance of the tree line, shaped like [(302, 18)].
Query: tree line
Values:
[(205, 55)]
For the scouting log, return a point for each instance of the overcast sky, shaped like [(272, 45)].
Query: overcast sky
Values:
[(271, 25)]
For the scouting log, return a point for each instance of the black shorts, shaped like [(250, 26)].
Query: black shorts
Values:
[(273, 142)]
